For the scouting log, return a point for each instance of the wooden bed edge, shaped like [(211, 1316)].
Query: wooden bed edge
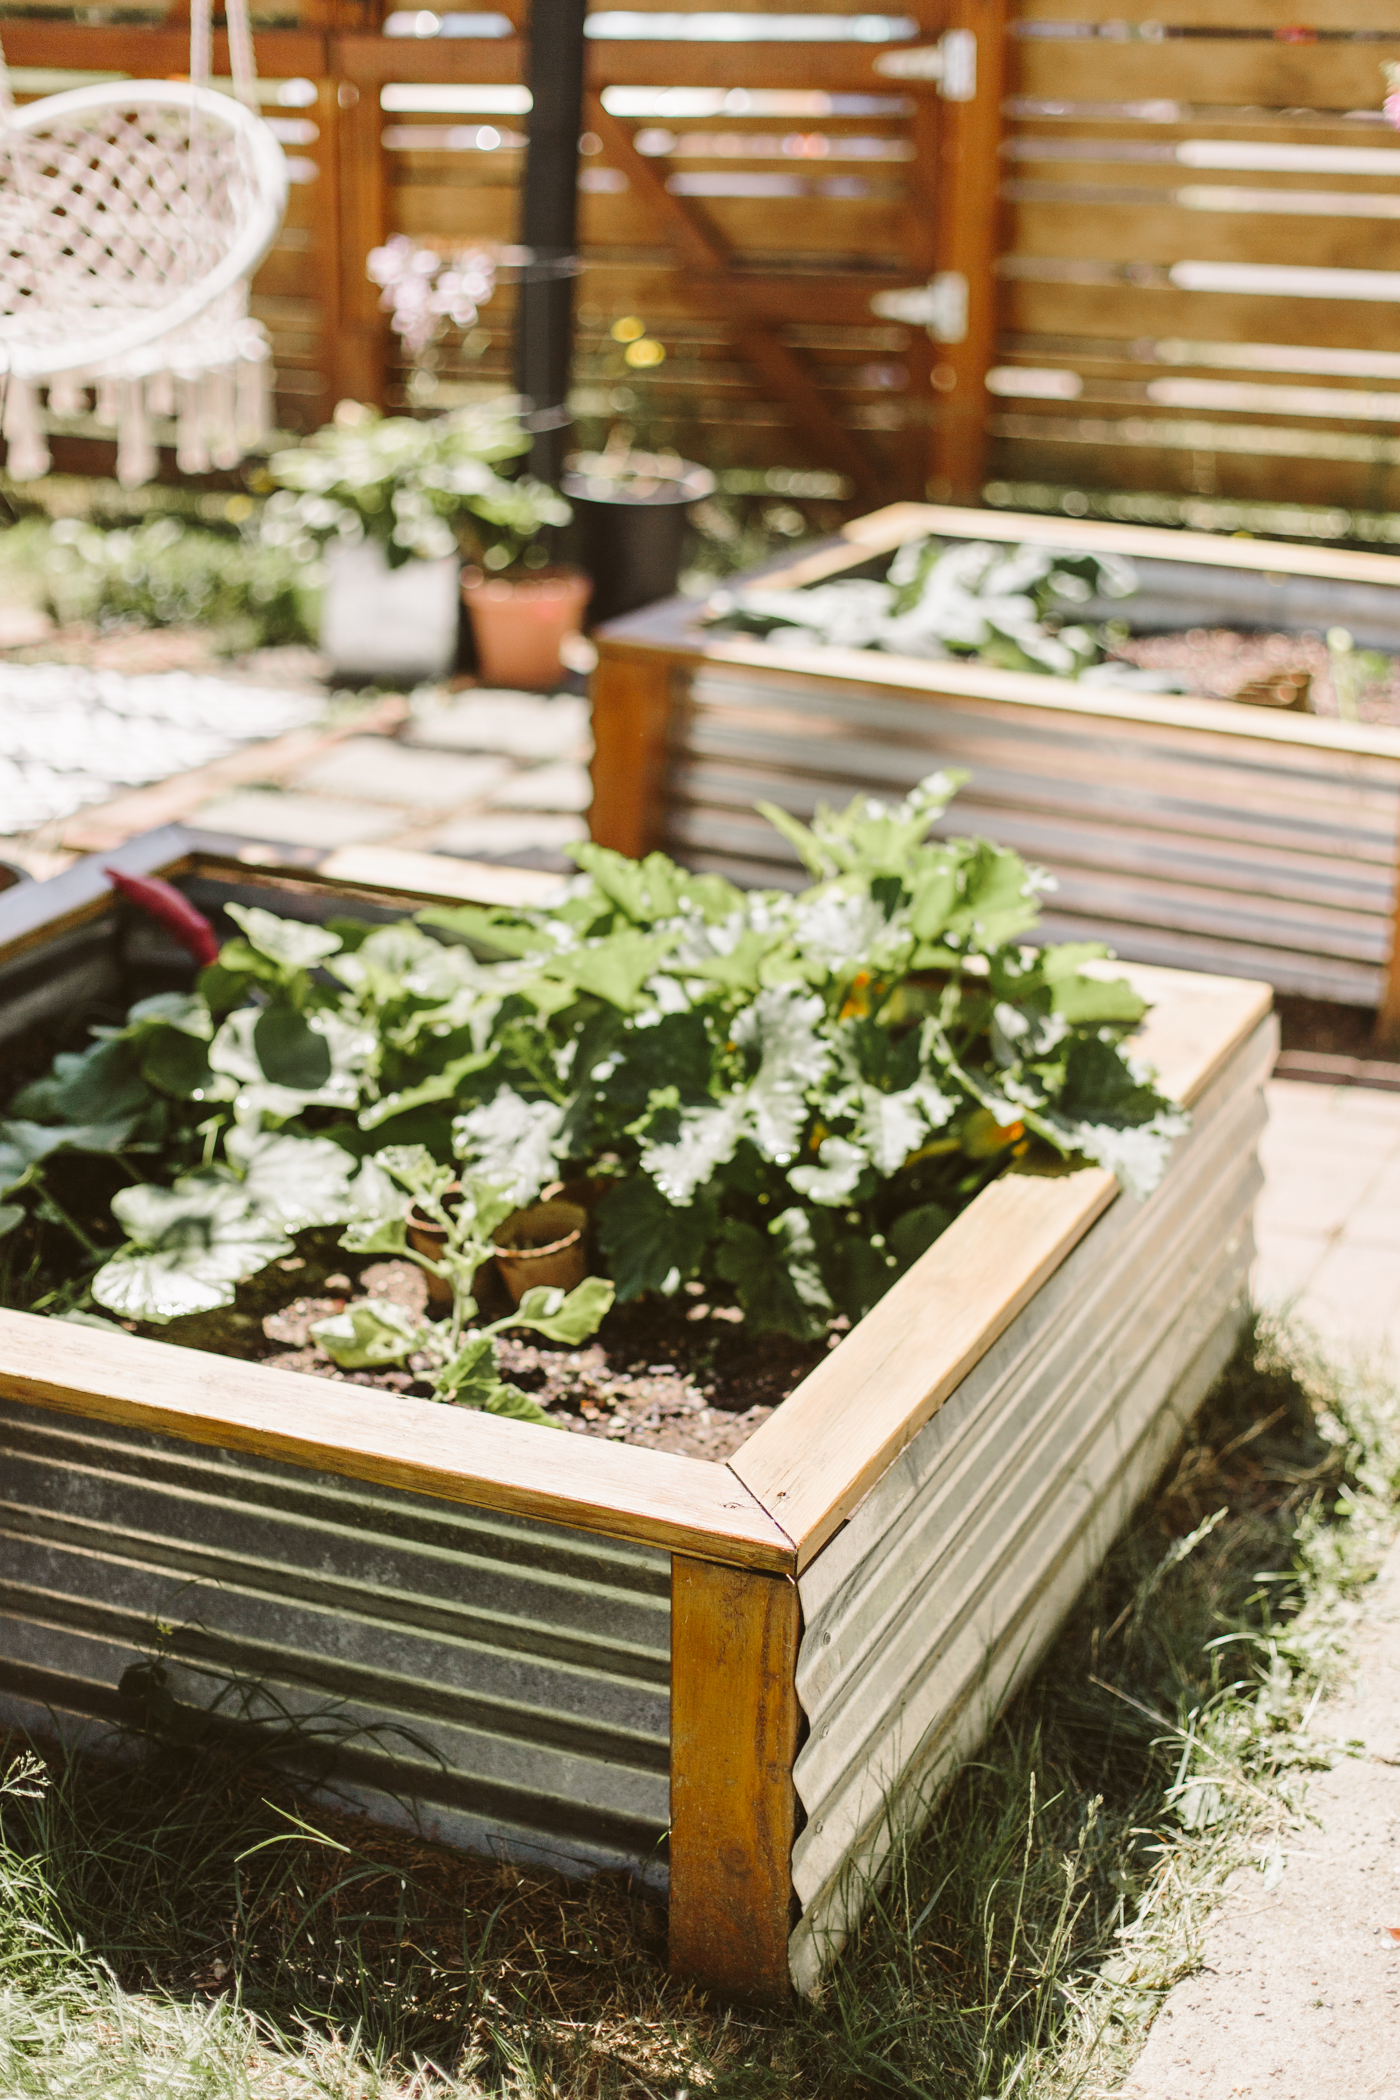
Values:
[(982, 1272), (683, 1505), (33, 912)]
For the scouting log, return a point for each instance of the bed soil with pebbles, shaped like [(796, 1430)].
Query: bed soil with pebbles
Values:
[(671, 1375), (1219, 661)]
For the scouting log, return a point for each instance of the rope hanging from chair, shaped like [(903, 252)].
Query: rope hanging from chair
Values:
[(132, 217)]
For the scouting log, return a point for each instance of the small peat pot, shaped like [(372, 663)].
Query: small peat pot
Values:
[(631, 510), (1212, 834), (543, 1245), (735, 1681), (519, 624), (383, 626)]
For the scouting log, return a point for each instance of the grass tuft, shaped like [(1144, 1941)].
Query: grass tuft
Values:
[(176, 1921)]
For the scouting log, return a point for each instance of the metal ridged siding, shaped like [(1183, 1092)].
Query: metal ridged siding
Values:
[(945, 1587), (505, 1681), (1181, 846)]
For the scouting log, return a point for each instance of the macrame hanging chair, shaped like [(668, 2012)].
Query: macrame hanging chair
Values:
[(132, 216)]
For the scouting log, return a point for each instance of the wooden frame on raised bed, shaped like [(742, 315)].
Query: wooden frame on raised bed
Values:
[(1188, 831), (743, 1536)]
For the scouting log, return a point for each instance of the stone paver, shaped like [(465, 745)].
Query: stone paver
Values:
[(375, 769), (501, 834), (1328, 1223), (300, 820), (525, 726), (1297, 1996), (557, 787), (494, 776)]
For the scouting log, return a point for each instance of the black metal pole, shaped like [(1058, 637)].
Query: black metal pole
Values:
[(548, 229)]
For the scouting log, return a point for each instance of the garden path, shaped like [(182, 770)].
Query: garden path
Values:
[(1297, 1994)]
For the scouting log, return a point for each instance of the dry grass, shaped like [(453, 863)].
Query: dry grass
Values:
[(254, 1944)]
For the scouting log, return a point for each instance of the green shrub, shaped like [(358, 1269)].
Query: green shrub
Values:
[(163, 573)]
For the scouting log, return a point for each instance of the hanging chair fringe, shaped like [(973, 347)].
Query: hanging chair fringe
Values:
[(211, 367), (27, 449)]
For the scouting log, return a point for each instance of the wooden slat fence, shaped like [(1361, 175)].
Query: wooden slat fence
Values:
[(1177, 221)]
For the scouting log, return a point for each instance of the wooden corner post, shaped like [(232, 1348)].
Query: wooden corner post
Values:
[(734, 1729), (969, 127), (631, 698)]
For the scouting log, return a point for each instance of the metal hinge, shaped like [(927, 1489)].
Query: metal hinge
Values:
[(940, 306), (952, 62)]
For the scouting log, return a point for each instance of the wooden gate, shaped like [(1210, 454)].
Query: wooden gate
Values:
[(1134, 254)]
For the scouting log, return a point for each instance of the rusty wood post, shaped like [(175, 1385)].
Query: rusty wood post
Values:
[(734, 1729), (969, 142), (1386, 1035), (632, 701), (358, 358)]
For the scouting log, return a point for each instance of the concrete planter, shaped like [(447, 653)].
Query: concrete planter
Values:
[(383, 626)]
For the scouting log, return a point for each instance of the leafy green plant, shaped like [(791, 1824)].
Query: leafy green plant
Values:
[(462, 1360), (163, 573), (1019, 608), (418, 489), (787, 1097)]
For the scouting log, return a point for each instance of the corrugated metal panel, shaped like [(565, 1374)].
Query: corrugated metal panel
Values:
[(947, 1584), (1180, 846), (510, 1680)]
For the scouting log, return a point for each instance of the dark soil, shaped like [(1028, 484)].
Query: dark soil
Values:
[(683, 1376), (1219, 661)]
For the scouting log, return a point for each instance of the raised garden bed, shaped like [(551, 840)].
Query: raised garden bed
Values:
[(723, 1676), (1191, 831)]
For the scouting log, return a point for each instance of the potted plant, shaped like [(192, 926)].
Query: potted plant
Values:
[(521, 605), (632, 509), (398, 503)]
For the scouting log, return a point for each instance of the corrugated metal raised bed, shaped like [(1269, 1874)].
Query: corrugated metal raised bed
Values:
[(1199, 833), (722, 1676)]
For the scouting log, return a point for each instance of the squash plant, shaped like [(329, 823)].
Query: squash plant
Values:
[(786, 1096), (1018, 608)]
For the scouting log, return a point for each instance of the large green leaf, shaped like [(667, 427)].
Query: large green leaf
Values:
[(294, 1181), (570, 1318), (776, 1275), (375, 1331), (472, 1379), (176, 1062), (614, 969), (23, 1145), (99, 1085), (11, 1215), (1090, 1000), (650, 1245), (189, 1246), (289, 1051), (645, 890), (290, 943)]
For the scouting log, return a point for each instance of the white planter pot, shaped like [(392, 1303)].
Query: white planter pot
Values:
[(389, 626)]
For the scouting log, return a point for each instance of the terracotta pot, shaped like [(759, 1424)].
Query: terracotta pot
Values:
[(543, 1244), (519, 623), (428, 1238)]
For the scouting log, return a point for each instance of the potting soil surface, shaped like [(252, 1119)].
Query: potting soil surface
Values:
[(683, 1376), (1218, 661)]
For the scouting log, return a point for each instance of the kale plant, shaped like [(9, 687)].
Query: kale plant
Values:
[(787, 1097), (1014, 607)]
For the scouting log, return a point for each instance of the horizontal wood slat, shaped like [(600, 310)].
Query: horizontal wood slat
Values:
[(1256, 72)]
